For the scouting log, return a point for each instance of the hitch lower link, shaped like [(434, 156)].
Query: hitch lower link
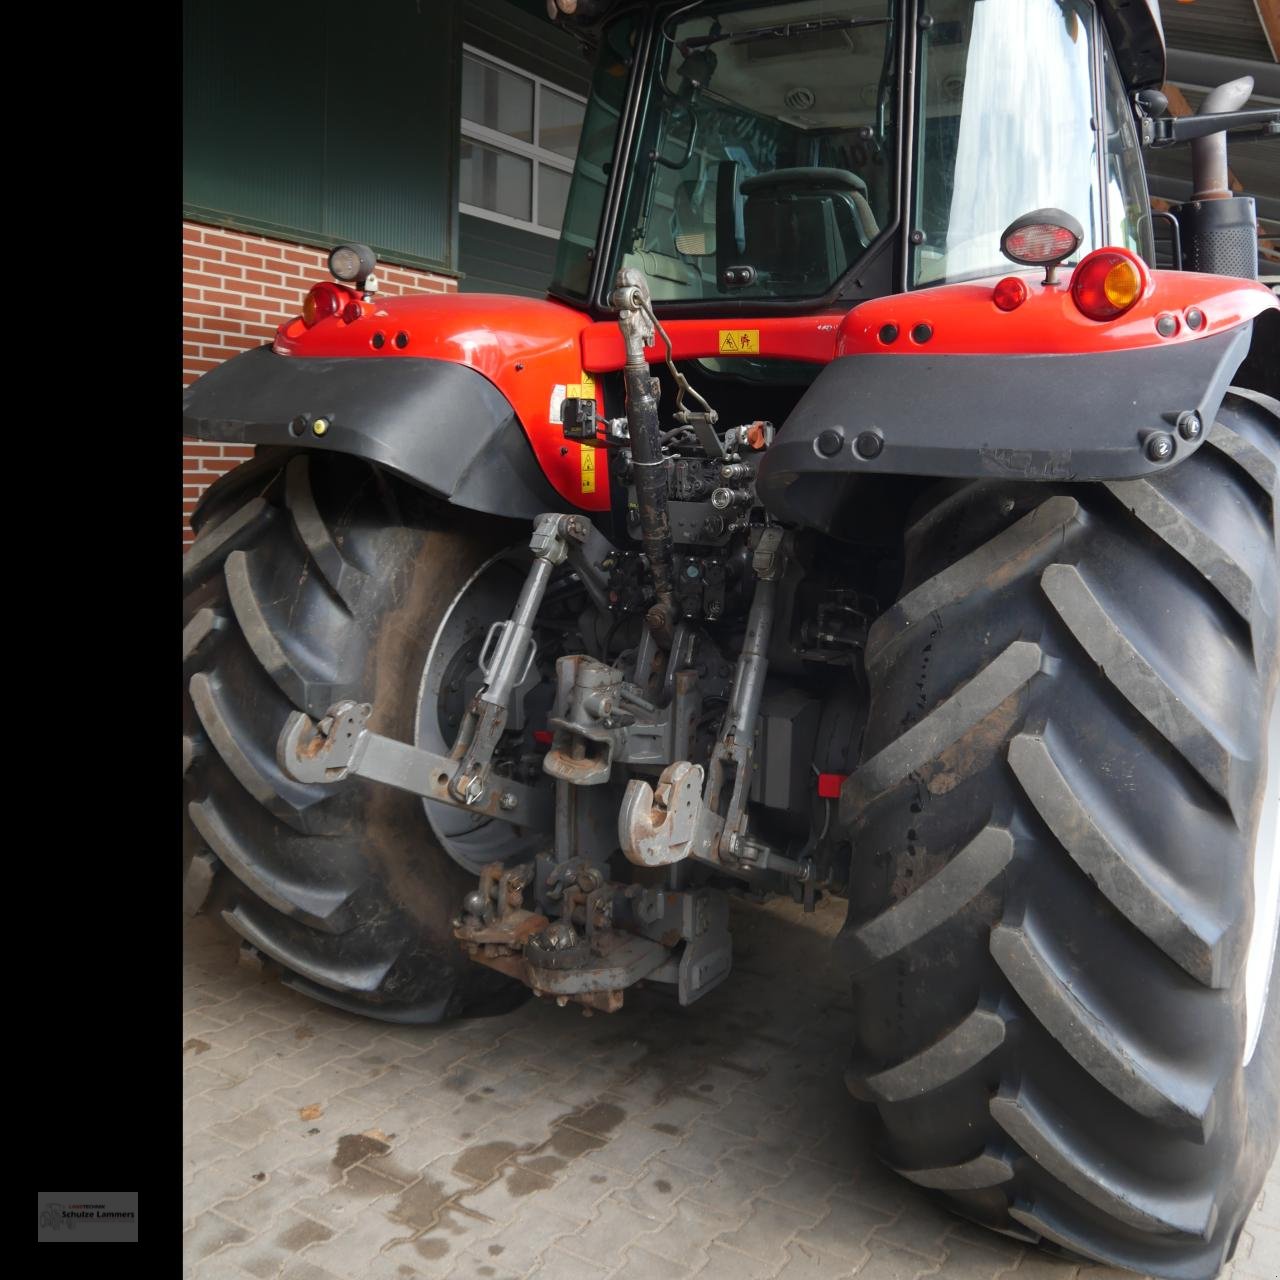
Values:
[(557, 923), (342, 744), (692, 814)]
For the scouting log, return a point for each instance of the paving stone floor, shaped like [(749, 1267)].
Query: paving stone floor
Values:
[(652, 1144)]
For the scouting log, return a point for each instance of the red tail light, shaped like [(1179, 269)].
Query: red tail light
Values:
[(323, 300), (1107, 283), (1010, 293)]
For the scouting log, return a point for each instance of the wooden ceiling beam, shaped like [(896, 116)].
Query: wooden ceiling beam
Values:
[(1269, 16)]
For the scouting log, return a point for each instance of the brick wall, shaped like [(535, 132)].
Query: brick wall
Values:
[(236, 289)]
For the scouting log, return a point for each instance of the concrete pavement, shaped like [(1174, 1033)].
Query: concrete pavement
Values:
[(646, 1145)]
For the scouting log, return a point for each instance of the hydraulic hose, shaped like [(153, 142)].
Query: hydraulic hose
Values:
[(631, 301)]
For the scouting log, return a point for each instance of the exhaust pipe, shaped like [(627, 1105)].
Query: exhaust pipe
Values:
[(1219, 231), (1209, 178)]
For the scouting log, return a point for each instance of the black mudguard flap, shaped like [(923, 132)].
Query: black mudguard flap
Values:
[(1023, 417), (440, 425)]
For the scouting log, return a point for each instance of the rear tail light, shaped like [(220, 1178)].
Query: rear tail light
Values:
[(1010, 293), (1107, 283), (323, 300)]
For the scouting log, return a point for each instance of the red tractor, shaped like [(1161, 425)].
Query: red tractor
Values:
[(899, 531)]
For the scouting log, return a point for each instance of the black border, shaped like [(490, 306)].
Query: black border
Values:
[(95, 931)]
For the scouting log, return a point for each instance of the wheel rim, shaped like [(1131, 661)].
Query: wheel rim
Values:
[(488, 595), (1260, 961)]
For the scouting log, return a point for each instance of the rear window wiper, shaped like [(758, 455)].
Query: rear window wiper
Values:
[(783, 32)]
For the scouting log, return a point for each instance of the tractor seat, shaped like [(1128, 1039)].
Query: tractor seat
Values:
[(814, 179), (804, 176), (804, 228)]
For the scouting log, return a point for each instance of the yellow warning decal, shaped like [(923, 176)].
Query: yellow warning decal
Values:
[(588, 469), (584, 390), (739, 342)]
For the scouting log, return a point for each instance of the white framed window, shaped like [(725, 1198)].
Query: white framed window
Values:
[(519, 138)]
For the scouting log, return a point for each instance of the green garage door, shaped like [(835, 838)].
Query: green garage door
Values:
[(523, 83), (280, 135)]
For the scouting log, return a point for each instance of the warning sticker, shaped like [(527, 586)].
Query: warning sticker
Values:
[(739, 342), (588, 469), (583, 390)]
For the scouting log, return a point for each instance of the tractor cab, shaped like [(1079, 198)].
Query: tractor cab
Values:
[(799, 157)]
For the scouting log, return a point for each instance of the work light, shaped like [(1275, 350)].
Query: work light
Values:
[(352, 263), (1042, 238)]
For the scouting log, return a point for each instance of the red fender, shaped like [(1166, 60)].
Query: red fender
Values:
[(536, 351)]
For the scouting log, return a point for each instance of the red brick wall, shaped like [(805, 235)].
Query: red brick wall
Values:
[(236, 288)]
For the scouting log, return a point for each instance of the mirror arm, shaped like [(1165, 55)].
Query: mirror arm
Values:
[(1169, 131)]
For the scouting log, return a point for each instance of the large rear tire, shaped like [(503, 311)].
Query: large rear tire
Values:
[(1064, 923), (312, 578)]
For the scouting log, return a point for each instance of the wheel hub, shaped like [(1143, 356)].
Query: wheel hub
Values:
[(450, 676)]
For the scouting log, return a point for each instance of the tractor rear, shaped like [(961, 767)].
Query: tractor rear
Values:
[(864, 513)]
